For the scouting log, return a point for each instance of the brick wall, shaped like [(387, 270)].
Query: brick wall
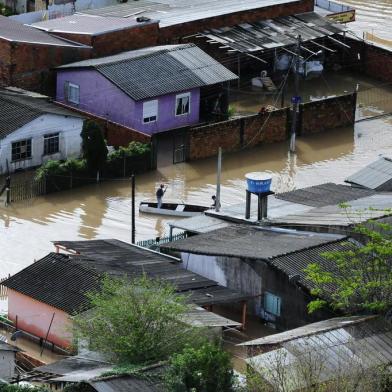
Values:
[(30, 66), (170, 33), (115, 134), (378, 63), (331, 113), (249, 131)]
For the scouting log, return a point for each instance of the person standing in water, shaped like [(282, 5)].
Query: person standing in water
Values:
[(160, 192)]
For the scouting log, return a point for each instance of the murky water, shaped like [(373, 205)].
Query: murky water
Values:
[(373, 16), (104, 211)]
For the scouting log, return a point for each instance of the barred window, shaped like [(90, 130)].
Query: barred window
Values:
[(21, 150), (51, 143)]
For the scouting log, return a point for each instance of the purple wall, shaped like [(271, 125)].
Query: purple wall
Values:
[(99, 96)]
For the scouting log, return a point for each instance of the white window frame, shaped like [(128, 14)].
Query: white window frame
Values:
[(75, 87), (27, 146), (47, 141), (277, 303), (180, 96), (149, 113)]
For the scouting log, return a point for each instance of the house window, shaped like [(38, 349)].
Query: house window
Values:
[(51, 143), (21, 150), (150, 111), (272, 304), (72, 92), (183, 104)]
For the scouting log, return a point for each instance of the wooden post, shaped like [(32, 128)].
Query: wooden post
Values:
[(218, 180), (243, 320), (247, 207), (133, 208), (47, 334), (8, 190)]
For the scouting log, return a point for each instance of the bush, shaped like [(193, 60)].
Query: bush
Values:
[(61, 168), (5, 10), (94, 146), (204, 369), (21, 388), (132, 150)]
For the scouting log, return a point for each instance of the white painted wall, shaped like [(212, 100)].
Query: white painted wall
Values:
[(7, 364), (70, 141)]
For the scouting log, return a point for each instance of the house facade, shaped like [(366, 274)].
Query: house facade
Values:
[(7, 360), (34, 131), (150, 90)]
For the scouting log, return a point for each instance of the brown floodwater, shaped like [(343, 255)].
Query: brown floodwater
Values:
[(104, 210)]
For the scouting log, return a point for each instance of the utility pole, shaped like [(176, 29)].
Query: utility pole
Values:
[(133, 208), (296, 98), (218, 180)]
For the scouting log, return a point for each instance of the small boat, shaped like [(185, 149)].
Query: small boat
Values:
[(172, 209)]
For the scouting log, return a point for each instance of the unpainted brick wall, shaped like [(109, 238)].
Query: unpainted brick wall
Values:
[(326, 114)]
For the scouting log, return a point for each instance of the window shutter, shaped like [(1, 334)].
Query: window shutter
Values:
[(150, 108)]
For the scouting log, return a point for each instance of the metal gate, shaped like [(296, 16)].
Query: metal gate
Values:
[(179, 147)]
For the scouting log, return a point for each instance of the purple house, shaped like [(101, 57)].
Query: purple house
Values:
[(151, 90)]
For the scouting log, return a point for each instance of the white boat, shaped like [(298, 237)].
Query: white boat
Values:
[(172, 209)]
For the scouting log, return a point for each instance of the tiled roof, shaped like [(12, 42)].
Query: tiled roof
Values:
[(377, 175), (14, 31), (161, 70), (324, 194), (18, 109), (62, 281)]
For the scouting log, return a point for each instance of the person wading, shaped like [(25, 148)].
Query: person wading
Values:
[(160, 192)]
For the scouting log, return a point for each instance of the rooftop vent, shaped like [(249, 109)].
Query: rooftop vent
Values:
[(141, 19)]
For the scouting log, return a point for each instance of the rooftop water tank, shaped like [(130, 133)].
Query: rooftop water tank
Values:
[(258, 182)]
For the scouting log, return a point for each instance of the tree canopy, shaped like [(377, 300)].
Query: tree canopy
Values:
[(94, 146), (136, 321), (362, 275)]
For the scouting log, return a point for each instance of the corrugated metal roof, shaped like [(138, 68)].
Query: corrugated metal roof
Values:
[(200, 317), (174, 12), (273, 33), (62, 281), (324, 194), (332, 353), (251, 242), (199, 224), (156, 71), (18, 109), (377, 175), (14, 31), (361, 210)]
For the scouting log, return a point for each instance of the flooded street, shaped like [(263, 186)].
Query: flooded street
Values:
[(104, 211)]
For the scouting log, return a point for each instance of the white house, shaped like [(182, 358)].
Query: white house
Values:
[(34, 130)]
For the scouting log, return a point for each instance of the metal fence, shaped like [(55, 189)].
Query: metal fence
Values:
[(27, 189), (374, 102), (154, 243)]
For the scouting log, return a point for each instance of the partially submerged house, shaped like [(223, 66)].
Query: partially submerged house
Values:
[(43, 296), (267, 264), (151, 90), (34, 130), (377, 175), (323, 352)]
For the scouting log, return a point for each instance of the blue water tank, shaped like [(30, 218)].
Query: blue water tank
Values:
[(258, 182)]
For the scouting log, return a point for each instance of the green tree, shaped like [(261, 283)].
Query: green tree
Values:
[(204, 369), (136, 321), (358, 278), (94, 146), (21, 388)]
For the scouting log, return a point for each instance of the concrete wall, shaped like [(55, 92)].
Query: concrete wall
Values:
[(69, 129), (101, 97), (34, 317), (7, 364), (249, 131)]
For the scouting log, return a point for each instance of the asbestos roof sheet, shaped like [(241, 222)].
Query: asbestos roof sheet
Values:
[(200, 224), (354, 347), (63, 281), (19, 109), (324, 194), (14, 31), (377, 175), (174, 12), (250, 242), (200, 317), (273, 33), (360, 210), (161, 70)]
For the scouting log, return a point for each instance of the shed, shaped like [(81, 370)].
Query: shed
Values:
[(377, 175), (338, 347), (7, 360)]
